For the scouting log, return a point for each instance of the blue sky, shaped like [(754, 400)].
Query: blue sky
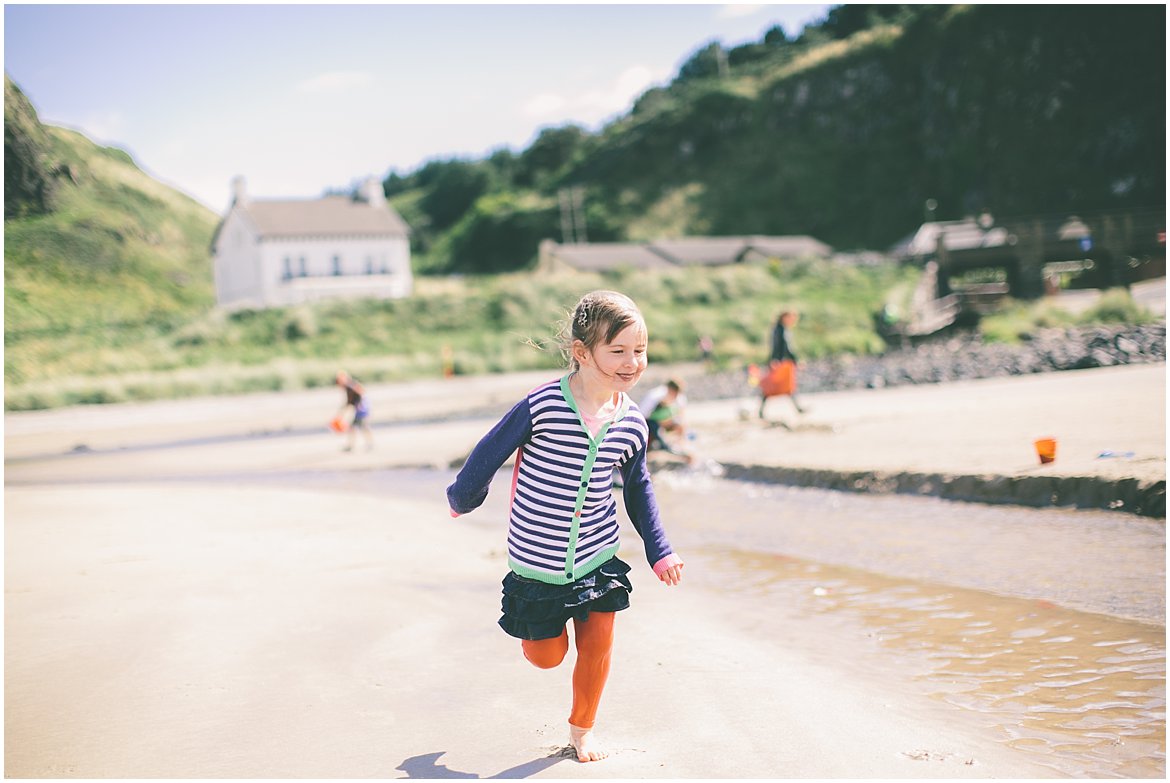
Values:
[(300, 98)]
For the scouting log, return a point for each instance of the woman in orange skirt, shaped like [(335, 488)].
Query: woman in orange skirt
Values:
[(780, 381)]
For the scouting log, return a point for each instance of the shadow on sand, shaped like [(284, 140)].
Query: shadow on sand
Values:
[(427, 766)]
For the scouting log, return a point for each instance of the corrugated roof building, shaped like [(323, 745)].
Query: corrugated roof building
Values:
[(677, 253), (600, 256)]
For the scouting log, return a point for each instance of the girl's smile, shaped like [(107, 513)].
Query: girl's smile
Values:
[(618, 365)]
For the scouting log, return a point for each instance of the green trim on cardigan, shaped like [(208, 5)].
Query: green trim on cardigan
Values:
[(586, 568), (586, 469)]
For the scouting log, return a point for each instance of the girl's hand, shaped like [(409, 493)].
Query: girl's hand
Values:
[(672, 575)]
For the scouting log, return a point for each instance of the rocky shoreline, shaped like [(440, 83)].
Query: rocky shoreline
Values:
[(1131, 495), (962, 356)]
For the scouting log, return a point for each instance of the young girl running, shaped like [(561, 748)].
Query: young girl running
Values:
[(568, 436)]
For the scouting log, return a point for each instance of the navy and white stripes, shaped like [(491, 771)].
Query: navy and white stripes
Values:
[(563, 518)]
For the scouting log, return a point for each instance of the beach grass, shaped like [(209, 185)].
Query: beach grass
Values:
[(481, 325), (456, 325)]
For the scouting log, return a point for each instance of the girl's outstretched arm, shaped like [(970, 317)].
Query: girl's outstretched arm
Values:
[(471, 485), (642, 507)]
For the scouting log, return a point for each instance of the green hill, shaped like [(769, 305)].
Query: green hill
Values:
[(109, 298), (842, 133), (110, 256)]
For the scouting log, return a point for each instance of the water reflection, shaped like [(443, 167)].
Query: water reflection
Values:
[(1047, 623), (1084, 691)]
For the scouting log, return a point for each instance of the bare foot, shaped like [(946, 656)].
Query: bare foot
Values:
[(585, 744)]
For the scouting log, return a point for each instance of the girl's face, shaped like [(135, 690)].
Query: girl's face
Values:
[(617, 365)]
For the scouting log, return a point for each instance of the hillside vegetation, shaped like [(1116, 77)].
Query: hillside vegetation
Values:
[(109, 258), (498, 323), (843, 133), (839, 134)]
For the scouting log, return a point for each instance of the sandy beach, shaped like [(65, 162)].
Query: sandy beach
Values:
[(171, 611), (334, 637)]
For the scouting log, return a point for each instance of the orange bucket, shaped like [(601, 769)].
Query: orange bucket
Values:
[(1046, 450), (338, 425)]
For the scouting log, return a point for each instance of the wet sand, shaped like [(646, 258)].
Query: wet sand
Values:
[(165, 620)]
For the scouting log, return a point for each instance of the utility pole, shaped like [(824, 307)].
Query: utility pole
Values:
[(566, 217), (572, 214), (579, 213)]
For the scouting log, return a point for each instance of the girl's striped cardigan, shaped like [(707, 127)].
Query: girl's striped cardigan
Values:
[(563, 520)]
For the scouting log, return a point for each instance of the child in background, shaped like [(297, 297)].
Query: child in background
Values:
[(568, 436), (355, 396), (664, 408)]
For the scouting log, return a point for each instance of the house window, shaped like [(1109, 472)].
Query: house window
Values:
[(385, 265), (369, 265), (304, 267), (287, 275), (336, 265)]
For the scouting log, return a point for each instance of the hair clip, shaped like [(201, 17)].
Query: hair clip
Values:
[(583, 315)]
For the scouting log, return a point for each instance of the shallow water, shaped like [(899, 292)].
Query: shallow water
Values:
[(1045, 625), (1096, 561), (1048, 624), (1084, 691)]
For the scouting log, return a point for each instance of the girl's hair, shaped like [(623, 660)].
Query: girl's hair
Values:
[(596, 320)]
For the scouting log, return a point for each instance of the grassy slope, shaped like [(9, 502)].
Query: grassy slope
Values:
[(110, 298), (121, 259), (488, 324)]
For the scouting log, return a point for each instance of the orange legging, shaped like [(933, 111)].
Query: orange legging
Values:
[(594, 639)]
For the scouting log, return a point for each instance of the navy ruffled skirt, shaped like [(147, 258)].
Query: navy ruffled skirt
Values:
[(538, 610)]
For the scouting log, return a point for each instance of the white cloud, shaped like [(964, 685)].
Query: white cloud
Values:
[(738, 10), (544, 104), (336, 81), (632, 82), (595, 104), (104, 127)]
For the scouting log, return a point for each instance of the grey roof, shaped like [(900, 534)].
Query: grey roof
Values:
[(796, 246), (328, 216), (599, 256), (685, 251), (701, 251)]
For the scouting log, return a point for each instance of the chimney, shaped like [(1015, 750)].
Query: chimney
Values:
[(239, 191), (372, 192)]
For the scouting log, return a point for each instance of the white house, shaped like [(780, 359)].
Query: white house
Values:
[(276, 252)]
